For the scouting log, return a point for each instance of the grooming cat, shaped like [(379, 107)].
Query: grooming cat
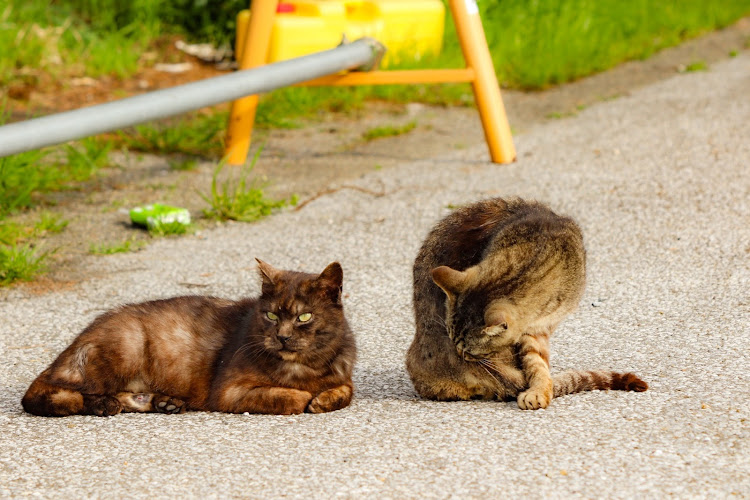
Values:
[(491, 283), (288, 351)]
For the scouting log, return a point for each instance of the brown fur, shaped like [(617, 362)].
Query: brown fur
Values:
[(491, 283), (206, 353)]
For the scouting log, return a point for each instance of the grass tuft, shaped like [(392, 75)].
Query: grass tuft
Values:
[(129, 245), (20, 263), (389, 131), (170, 229), (198, 135), (696, 66), (240, 197), (19, 178)]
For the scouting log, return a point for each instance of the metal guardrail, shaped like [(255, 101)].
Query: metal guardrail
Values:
[(62, 127)]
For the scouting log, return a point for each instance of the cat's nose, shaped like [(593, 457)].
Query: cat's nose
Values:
[(282, 338)]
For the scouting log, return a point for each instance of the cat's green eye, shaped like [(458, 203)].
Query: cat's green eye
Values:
[(272, 316), (304, 317)]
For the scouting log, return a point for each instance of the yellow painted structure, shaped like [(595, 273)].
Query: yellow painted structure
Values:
[(255, 35), (410, 29)]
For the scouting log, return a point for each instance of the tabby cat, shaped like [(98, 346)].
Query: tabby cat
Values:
[(288, 351), (491, 282)]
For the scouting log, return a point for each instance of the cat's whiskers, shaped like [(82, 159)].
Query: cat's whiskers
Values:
[(484, 366), (249, 345)]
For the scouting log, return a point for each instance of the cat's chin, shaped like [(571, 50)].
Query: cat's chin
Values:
[(288, 355)]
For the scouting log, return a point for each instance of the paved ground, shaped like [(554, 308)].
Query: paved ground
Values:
[(659, 181)]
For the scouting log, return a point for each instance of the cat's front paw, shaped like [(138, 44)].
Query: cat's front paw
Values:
[(330, 400), (167, 404), (535, 398)]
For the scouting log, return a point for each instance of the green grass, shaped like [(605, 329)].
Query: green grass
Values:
[(198, 135), (388, 131), (183, 164), (540, 43), (24, 178), (20, 257), (696, 66), (534, 45), (21, 262), (129, 245), (12, 233), (170, 229), (26, 174), (239, 196)]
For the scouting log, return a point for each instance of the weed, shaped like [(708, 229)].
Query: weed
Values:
[(20, 263), (12, 233), (183, 164), (18, 259), (90, 155), (129, 245), (170, 229), (696, 66), (49, 223), (566, 114), (19, 178), (389, 131), (199, 135), (733, 53), (240, 197)]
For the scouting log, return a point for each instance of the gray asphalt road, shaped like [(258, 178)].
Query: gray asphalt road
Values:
[(659, 181)]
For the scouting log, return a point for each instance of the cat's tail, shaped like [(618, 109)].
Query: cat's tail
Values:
[(578, 381)]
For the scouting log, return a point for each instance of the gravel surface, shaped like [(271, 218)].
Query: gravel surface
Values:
[(659, 182)]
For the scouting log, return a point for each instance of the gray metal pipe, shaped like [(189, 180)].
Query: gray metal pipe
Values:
[(83, 122)]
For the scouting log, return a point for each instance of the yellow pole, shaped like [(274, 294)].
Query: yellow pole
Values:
[(486, 89), (254, 53)]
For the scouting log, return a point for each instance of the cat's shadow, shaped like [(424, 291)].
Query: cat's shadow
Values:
[(383, 384)]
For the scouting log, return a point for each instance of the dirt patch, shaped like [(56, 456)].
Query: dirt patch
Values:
[(309, 161)]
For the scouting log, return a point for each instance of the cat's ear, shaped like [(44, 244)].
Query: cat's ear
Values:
[(331, 281), (268, 273), (497, 317), (451, 281)]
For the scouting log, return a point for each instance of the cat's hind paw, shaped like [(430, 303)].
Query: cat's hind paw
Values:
[(167, 404), (534, 399), (100, 405)]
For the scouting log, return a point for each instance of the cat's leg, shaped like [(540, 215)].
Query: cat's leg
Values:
[(332, 399), (46, 399), (241, 397), (534, 353), (53, 394), (144, 402)]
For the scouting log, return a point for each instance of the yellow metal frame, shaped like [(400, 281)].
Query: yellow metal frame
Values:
[(479, 71)]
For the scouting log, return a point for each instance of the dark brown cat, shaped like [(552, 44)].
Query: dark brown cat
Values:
[(288, 351), (491, 283)]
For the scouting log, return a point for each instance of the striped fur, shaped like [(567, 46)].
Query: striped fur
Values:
[(573, 381), (492, 281)]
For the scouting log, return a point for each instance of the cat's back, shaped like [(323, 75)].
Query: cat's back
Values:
[(461, 239), (190, 320), (510, 237)]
